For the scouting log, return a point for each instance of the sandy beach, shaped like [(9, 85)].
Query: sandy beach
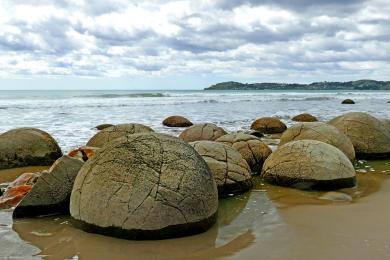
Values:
[(268, 222)]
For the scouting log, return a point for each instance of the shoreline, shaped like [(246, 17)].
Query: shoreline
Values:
[(277, 221)]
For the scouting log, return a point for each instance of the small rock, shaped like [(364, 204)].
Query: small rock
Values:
[(83, 153), (103, 126), (268, 125), (348, 101), (177, 121)]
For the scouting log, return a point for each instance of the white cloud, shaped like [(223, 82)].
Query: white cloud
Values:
[(272, 40)]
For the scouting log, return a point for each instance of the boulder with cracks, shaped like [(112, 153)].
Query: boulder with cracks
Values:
[(200, 132), (309, 164), (320, 132), (252, 149), (145, 186), (111, 133), (51, 192), (231, 172), (368, 134)]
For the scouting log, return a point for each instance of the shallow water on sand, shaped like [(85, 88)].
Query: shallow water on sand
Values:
[(268, 222)]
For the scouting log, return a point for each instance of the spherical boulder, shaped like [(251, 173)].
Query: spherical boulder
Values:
[(103, 126), (369, 136), (231, 172), (145, 186), (348, 101), (177, 121), (320, 132), (252, 149), (309, 164), (269, 125), (304, 118), (200, 132), (27, 147), (108, 134)]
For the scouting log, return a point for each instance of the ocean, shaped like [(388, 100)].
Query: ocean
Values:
[(70, 116)]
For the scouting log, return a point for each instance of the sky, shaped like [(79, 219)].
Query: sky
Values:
[(161, 44)]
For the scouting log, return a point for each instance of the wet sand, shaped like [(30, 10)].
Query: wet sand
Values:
[(269, 222)]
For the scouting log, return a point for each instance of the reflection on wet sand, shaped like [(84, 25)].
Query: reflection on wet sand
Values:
[(269, 222)]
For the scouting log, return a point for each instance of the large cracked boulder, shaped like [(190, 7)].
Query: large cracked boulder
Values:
[(231, 172), (27, 147), (368, 134), (252, 149), (51, 192), (320, 132), (177, 121), (108, 134), (202, 132), (145, 186), (309, 164), (268, 125)]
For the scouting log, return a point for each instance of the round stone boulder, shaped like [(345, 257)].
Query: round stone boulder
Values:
[(145, 186), (177, 121), (268, 125), (252, 149), (320, 132), (309, 164), (27, 147), (202, 132), (108, 134), (231, 172), (348, 101), (304, 118), (368, 134)]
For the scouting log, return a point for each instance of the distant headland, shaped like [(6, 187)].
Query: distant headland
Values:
[(349, 85)]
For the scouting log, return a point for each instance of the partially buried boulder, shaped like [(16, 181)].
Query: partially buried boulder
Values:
[(348, 101), (320, 132), (177, 121), (27, 147), (51, 192), (309, 164), (252, 149), (369, 136), (108, 134), (304, 118), (103, 126), (202, 132), (231, 172), (269, 125), (145, 186)]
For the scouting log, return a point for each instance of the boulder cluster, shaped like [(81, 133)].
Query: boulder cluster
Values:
[(131, 182)]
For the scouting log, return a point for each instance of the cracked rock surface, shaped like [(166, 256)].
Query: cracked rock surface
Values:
[(108, 134), (368, 134), (268, 125), (27, 147), (252, 149), (320, 132), (177, 121), (51, 193), (145, 186), (202, 132), (231, 172), (309, 164), (386, 123)]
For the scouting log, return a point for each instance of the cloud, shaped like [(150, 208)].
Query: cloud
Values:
[(277, 40)]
